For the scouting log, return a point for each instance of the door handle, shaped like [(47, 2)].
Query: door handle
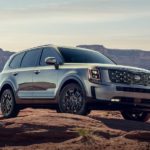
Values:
[(15, 74), (37, 71)]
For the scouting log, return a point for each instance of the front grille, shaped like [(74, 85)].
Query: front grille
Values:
[(129, 77)]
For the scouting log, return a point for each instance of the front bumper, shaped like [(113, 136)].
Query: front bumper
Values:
[(112, 96)]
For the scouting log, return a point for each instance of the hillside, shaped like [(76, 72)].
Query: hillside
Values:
[(46, 129), (4, 55), (137, 58)]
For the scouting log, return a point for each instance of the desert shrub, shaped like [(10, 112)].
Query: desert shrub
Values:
[(84, 132)]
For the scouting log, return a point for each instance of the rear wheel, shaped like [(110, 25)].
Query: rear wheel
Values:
[(8, 106), (72, 100), (135, 116)]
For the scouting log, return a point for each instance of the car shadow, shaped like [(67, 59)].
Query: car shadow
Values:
[(124, 125), (28, 134)]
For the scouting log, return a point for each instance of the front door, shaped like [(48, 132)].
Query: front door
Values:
[(45, 77), (44, 82)]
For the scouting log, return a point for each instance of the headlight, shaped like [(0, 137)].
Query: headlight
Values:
[(94, 76)]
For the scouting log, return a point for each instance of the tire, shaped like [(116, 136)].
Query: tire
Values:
[(135, 116), (72, 99), (9, 108)]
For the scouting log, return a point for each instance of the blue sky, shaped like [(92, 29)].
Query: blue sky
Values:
[(113, 23)]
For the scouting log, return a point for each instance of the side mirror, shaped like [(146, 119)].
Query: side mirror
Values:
[(52, 61)]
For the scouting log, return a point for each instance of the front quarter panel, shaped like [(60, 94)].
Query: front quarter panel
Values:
[(78, 74)]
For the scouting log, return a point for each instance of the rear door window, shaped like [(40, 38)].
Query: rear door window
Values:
[(31, 58)]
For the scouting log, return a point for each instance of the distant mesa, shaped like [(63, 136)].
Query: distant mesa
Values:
[(130, 57), (4, 55)]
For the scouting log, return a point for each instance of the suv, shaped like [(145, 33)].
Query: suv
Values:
[(73, 80)]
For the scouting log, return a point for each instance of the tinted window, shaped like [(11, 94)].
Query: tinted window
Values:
[(15, 63), (49, 52), (31, 58), (72, 55)]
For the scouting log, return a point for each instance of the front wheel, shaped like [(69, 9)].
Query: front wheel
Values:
[(135, 116), (72, 100), (8, 106)]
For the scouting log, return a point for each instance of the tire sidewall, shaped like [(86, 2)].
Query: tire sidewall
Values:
[(145, 116), (63, 91), (13, 103)]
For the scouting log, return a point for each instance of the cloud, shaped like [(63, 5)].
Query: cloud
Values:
[(75, 6), (72, 11), (31, 22)]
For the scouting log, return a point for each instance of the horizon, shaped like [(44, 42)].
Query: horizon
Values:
[(116, 24), (78, 46)]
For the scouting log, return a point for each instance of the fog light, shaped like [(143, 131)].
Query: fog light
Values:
[(115, 100)]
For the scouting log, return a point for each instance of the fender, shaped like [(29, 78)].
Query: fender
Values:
[(67, 78), (8, 82)]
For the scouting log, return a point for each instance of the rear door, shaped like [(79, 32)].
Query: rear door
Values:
[(24, 74)]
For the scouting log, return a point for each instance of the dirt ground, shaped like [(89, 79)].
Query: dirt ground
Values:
[(46, 129)]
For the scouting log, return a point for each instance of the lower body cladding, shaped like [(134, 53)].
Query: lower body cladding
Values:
[(118, 97)]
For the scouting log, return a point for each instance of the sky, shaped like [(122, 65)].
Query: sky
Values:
[(112, 23)]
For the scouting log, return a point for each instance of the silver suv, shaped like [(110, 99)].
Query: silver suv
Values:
[(73, 80)]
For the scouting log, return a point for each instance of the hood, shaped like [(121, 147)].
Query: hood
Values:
[(105, 66), (122, 67)]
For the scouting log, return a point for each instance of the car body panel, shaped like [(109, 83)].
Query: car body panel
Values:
[(45, 82), (42, 84)]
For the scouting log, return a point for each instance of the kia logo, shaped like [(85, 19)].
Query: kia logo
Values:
[(137, 77)]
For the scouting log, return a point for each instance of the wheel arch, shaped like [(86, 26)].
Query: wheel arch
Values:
[(6, 85), (68, 80)]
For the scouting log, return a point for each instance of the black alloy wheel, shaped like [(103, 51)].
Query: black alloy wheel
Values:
[(8, 106), (72, 100), (135, 115)]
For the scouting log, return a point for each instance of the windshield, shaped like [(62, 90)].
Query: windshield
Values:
[(76, 55)]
